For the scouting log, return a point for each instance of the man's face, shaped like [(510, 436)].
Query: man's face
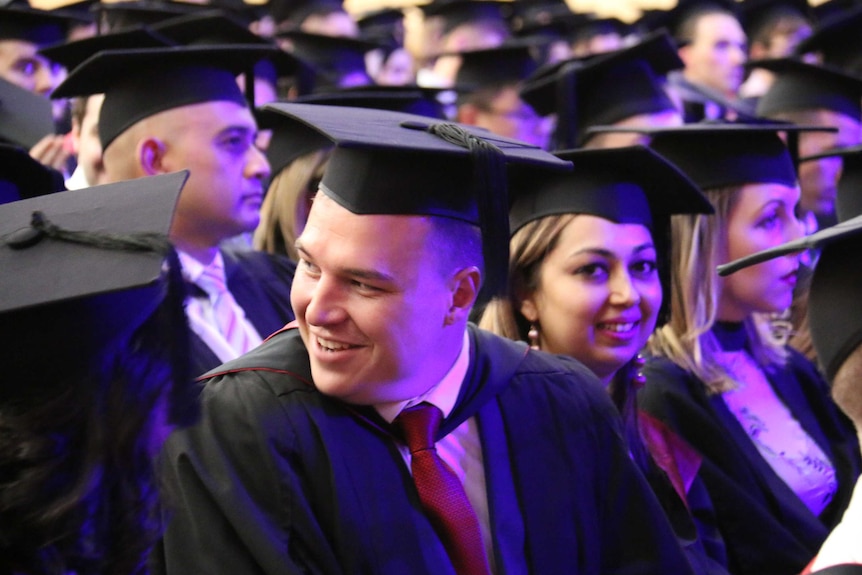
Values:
[(717, 53), (509, 116), (819, 178), (371, 303), (21, 65), (223, 195)]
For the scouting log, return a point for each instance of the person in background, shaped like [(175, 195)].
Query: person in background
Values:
[(463, 25), (713, 47), (96, 375), (488, 84), (779, 460), (584, 282), (814, 95), (197, 120), (774, 29), (584, 95), (325, 17), (23, 31), (835, 288)]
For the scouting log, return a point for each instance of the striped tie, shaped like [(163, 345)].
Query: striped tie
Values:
[(229, 317)]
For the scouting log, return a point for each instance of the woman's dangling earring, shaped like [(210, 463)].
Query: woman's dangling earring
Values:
[(638, 379), (533, 336)]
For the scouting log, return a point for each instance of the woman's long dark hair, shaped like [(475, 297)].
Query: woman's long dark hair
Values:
[(78, 491)]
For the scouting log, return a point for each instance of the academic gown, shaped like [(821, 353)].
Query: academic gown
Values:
[(279, 479), (260, 283), (766, 528)]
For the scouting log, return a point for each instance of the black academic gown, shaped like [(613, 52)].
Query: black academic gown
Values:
[(766, 528), (280, 479), (260, 283)]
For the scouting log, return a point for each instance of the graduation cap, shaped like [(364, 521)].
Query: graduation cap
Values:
[(802, 86), (582, 28), (210, 28), (604, 89), (838, 41), (507, 64), (183, 75), (336, 60), (81, 271), (836, 286), (82, 11), (384, 26), (40, 27), (289, 141), (455, 13), (625, 185), (22, 177), (723, 154), (73, 54), (759, 16), (127, 14), (832, 8), (25, 117), (296, 11), (399, 164), (848, 200)]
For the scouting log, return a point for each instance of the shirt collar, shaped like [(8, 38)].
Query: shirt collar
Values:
[(443, 395), (192, 268)]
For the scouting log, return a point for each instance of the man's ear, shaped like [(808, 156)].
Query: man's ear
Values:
[(465, 286), (151, 156), (684, 53)]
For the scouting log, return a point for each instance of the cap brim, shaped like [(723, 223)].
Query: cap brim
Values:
[(25, 117), (815, 240)]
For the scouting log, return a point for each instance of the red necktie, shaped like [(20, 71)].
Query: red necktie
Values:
[(441, 493)]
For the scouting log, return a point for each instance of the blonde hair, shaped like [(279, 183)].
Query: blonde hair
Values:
[(527, 251), (699, 244), (285, 208)]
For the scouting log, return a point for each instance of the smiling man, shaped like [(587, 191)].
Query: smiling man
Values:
[(316, 450), (167, 109)]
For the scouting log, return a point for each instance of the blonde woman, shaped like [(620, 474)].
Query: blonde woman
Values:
[(584, 282), (779, 461)]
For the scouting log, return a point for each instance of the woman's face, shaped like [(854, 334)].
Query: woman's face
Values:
[(762, 217), (598, 294)]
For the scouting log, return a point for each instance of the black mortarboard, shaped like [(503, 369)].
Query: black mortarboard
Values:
[(720, 155), (848, 200), (65, 294), (625, 185), (802, 86), (758, 15), (604, 89), (385, 26), (210, 28), (184, 76), (832, 8), (40, 27), (392, 163), (836, 286), (81, 10), (459, 12), (22, 177), (838, 41), (126, 14), (290, 141), (296, 11), (25, 117), (333, 58), (506, 64), (582, 29), (73, 54)]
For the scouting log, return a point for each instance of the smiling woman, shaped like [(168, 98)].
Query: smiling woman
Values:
[(584, 282)]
